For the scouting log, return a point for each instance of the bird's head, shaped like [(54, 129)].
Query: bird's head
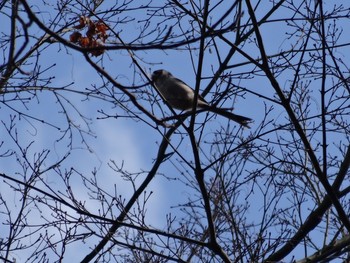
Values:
[(160, 74)]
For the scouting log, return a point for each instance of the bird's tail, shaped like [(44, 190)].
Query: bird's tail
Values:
[(244, 121)]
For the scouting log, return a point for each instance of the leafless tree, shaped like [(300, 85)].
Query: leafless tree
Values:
[(277, 192)]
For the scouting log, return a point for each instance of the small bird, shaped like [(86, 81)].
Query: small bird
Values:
[(180, 96)]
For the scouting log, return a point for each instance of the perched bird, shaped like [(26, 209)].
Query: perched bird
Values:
[(180, 96)]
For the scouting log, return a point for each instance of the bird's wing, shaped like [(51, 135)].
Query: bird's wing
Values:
[(189, 89)]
